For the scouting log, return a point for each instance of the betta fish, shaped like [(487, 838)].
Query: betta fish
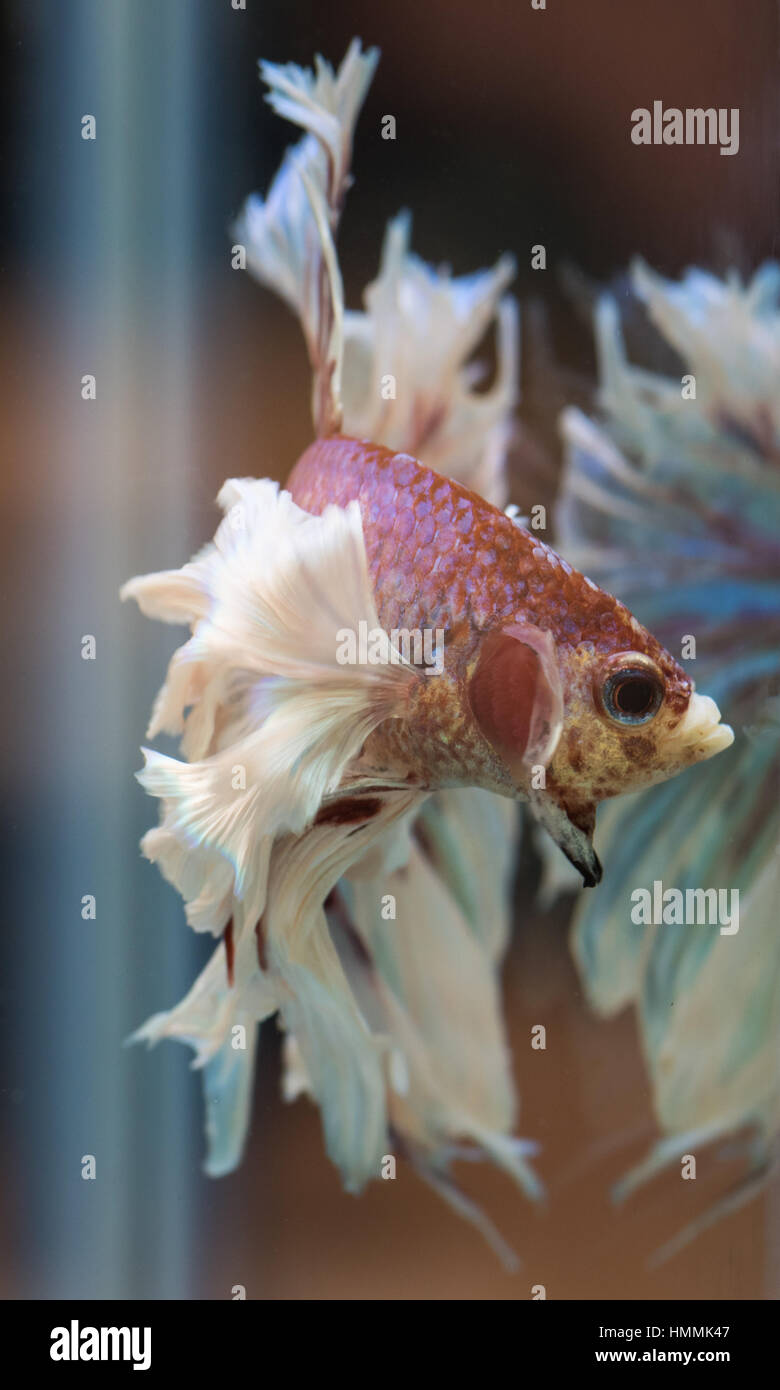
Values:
[(330, 819)]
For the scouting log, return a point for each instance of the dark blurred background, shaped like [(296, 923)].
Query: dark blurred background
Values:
[(513, 129)]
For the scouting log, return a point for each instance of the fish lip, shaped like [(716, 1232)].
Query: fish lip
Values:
[(701, 730), (717, 740)]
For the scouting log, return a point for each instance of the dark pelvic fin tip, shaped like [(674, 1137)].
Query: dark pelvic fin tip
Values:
[(593, 874)]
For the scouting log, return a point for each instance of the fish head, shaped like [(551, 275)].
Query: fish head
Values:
[(632, 717), (587, 705)]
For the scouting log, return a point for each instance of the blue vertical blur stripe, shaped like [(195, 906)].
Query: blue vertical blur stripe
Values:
[(116, 237)]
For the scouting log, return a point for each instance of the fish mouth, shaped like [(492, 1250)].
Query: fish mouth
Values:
[(701, 731)]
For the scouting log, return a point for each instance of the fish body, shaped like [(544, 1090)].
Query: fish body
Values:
[(529, 646)]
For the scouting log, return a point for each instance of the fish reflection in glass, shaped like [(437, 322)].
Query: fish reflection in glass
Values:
[(672, 499)]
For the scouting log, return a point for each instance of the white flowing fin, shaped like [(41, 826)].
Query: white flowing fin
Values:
[(454, 1196), (219, 1019), (457, 1082), (344, 1059), (409, 382), (470, 838), (205, 1015), (170, 596), (324, 103), (327, 410), (227, 1096), (752, 1185), (280, 588), (204, 879), (290, 235)]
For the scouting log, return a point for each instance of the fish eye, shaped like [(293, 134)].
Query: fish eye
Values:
[(632, 690)]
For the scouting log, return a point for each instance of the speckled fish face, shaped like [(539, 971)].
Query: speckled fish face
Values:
[(631, 715), (551, 689)]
